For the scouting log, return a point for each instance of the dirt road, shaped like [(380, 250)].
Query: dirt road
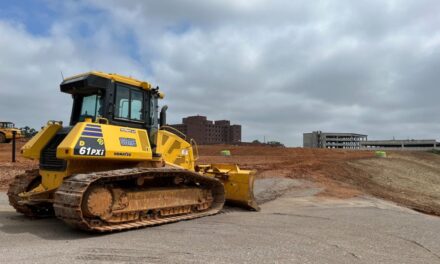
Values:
[(297, 227)]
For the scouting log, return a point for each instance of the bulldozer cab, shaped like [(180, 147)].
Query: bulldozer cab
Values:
[(113, 99), (7, 125), (6, 132)]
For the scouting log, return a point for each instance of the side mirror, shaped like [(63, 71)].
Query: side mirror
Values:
[(163, 115)]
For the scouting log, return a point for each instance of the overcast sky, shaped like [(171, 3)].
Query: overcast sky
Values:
[(278, 68)]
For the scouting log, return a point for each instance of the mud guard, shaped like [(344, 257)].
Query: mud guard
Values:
[(239, 184)]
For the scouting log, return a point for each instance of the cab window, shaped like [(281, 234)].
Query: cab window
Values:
[(136, 105), (129, 103), (91, 107), (122, 103)]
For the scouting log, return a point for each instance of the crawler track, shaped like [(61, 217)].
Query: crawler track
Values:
[(68, 198), (22, 183)]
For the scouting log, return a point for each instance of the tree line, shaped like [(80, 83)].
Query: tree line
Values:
[(28, 132)]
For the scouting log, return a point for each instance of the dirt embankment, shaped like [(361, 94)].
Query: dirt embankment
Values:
[(317, 165), (408, 178), (8, 169), (411, 179)]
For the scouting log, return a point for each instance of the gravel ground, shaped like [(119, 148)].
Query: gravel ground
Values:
[(294, 226)]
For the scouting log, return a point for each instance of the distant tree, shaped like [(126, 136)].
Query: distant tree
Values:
[(256, 141), (28, 131), (275, 144)]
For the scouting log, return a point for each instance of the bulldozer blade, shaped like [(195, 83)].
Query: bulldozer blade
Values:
[(239, 184)]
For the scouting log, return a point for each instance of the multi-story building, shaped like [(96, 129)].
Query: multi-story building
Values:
[(401, 144), (205, 131), (318, 139)]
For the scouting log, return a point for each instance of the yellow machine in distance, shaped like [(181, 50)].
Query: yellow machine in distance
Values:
[(6, 130), (117, 165)]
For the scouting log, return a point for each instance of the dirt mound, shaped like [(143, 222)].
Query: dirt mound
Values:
[(411, 179), (8, 169), (318, 165), (408, 178)]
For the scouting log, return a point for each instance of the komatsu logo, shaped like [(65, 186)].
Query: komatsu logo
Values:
[(124, 154)]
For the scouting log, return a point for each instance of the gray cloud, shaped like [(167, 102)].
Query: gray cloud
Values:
[(279, 68)]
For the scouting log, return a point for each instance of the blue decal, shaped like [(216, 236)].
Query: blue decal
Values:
[(128, 142), (92, 134), (90, 125), (92, 129)]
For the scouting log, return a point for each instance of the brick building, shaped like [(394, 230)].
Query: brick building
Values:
[(205, 131)]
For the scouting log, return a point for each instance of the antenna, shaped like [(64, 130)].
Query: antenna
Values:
[(62, 76)]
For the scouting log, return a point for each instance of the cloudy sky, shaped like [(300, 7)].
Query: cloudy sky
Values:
[(277, 67)]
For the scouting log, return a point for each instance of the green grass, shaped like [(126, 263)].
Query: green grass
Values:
[(435, 151)]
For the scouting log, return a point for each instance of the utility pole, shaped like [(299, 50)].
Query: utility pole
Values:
[(14, 133)]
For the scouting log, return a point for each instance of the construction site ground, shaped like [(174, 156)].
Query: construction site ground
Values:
[(411, 179), (318, 206)]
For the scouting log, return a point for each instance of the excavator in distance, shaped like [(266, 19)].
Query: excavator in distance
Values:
[(117, 166)]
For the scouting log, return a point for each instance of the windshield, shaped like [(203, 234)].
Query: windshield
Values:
[(7, 125), (91, 107)]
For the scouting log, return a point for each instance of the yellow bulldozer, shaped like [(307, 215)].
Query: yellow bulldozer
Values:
[(117, 166), (6, 130)]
